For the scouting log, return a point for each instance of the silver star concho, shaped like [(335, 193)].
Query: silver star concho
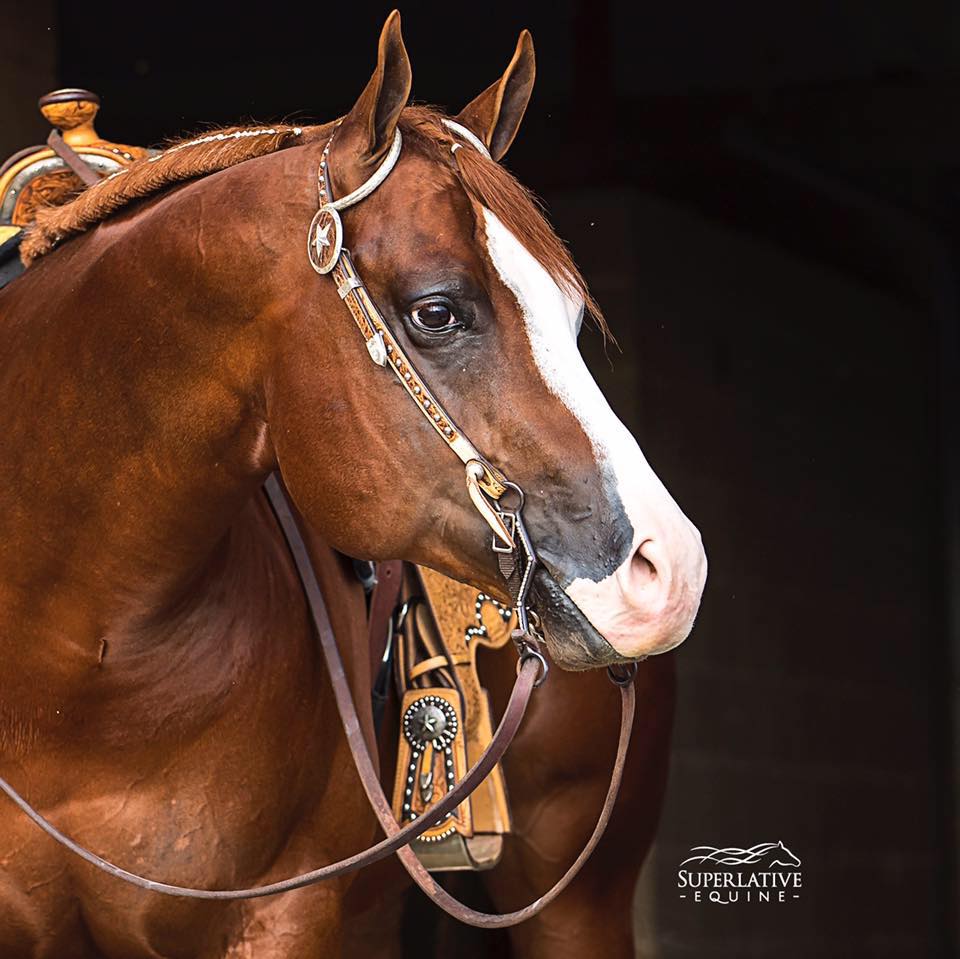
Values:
[(324, 240)]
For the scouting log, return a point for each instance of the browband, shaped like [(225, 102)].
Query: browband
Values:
[(380, 174)]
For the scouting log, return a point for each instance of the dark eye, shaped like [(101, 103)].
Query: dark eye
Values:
[(435, 316)]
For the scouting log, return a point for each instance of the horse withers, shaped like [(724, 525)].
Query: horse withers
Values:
[(169, 347)]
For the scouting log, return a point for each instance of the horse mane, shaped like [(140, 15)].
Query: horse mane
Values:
[(183, 160), (487, 182)]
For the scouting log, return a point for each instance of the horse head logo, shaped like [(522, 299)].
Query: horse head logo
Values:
[(781, 856), (763, 853)]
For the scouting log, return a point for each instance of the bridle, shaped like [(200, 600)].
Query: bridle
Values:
[(487, 487), (486, 484)]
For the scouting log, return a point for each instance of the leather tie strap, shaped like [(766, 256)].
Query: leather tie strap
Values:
[(397, 838), (88, 176)]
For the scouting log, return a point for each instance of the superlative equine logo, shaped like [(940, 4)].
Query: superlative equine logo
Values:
[(766, 872)]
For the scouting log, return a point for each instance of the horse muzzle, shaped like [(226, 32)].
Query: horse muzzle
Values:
[(572, 640)]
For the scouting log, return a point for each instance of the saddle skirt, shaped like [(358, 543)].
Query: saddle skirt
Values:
[(445, 718)]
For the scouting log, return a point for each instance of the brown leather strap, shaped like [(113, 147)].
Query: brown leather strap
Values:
[(371, 782), (383, 601), (396, 839), (428, 665), (87, 174), (509, 724), (492, 920)]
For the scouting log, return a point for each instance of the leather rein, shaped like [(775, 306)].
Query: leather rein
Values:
[(486, 486)]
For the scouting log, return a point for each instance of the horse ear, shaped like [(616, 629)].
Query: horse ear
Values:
[(377, 112), (495, 115)]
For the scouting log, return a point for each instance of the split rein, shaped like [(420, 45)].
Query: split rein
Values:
[(517, 558)]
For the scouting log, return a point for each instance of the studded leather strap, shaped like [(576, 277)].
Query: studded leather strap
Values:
[(371, 324)]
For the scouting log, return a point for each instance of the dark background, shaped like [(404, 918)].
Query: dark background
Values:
[(763, 196)]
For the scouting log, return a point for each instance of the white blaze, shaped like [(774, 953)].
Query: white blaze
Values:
[(647, 605)]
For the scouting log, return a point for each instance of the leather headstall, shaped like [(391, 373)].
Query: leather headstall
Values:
[(486, 484)]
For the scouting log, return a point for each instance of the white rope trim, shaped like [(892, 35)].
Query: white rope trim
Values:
[(382, 172), (214, 137), (467, 135)]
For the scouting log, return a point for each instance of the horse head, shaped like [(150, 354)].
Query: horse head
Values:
[(481, 294), (781, 856)]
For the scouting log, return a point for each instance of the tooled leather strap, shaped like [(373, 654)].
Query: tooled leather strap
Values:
[(492, 920), (327, 254)]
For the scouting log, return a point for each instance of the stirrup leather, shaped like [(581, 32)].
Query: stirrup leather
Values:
[(445, 719)]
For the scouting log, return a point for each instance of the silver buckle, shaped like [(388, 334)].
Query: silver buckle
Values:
[(510, 521)]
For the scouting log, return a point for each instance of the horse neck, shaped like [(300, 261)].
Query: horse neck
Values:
[(131, 406)]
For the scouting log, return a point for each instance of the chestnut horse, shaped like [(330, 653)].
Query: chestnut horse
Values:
[(164, 701)]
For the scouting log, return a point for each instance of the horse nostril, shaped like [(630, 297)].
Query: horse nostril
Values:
[(642, 569)]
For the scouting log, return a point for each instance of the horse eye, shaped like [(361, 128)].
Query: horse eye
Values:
[(434, 317)]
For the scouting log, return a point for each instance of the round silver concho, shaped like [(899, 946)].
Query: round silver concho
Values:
[(324, 239), (430, 719)]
